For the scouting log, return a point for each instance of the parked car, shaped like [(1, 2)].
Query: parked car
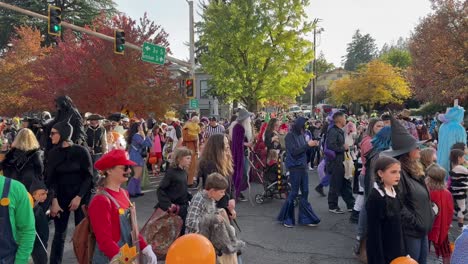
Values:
[(294, 110)]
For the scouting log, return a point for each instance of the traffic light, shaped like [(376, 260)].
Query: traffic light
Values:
[(189, 89), (119, 41), (55, 20)]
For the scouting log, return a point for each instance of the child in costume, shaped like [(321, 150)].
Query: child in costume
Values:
[(39, 194), (17, 216), (443, 208), (204, 218), (384, 235), (459, 182), (110, 210)]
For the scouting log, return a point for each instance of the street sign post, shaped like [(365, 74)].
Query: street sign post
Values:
[(193, 104), (153, 53)]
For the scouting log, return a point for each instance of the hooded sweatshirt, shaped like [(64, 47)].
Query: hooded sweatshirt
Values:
[(296, 146)]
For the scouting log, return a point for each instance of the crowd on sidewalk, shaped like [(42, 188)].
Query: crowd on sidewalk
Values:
[(402, 180)]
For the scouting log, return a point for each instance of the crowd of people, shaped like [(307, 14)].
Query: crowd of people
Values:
[(402, 180)]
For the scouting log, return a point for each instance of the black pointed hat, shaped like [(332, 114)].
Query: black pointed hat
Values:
[(402, 141)]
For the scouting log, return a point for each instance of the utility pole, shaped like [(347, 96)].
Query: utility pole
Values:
[(314, 69), (192, 39), (314, 80)]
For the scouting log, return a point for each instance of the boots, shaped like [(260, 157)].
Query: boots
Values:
[(354, 218), (319, 189)]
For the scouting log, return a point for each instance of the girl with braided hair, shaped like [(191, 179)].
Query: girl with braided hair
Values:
[(384, 238)]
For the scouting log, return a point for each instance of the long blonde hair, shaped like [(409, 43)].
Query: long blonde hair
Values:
[(25, 140)]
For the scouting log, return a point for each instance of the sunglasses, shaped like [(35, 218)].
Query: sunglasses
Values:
[(126, 167), (53, 133)]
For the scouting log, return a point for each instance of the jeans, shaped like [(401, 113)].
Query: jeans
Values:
[(56, 253), (339, 186), (417, 248)]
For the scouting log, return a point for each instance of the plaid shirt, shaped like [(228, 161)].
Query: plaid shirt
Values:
[(200, 205)]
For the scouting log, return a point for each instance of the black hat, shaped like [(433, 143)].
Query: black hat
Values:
[(65, 130), (402, 141), (37, 185), (213, 118), (95, 117)]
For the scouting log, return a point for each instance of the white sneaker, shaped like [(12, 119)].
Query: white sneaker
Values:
[(311, 169), (288, 226), (312, 225)]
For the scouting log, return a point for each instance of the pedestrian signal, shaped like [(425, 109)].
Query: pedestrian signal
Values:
[(189, 88), (119, 41), (54, 20)]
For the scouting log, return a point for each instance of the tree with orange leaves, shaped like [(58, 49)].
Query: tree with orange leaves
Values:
[(98, 80), (439, 51), (15, 70)]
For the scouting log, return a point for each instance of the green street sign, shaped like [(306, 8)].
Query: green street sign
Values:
[(153, 53), (193, 104)]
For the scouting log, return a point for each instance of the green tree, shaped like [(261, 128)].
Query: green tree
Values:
[(323, 65), (400, 58), (255, 50), (361, 50), (78, 12), (396, 54)]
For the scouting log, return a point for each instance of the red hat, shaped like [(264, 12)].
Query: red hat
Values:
[(113, 158)]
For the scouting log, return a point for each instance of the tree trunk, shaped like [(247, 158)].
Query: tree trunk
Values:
[(252, 105)]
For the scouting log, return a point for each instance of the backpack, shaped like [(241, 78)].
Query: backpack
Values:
[(84, 240)]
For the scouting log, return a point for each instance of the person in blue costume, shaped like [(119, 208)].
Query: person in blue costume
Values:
[(296, 163), (450, 132)]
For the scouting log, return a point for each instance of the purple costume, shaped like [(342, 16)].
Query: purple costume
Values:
[(237, 149)]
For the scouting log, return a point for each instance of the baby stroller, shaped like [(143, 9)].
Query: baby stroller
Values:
[(275, 181)]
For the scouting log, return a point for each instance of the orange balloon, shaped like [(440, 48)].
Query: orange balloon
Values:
[(404, 260), (193, 249)]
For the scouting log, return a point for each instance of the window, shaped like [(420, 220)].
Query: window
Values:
[(204, 89)]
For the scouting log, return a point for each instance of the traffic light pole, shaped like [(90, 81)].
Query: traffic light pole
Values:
[(90, 32), (192, 42)]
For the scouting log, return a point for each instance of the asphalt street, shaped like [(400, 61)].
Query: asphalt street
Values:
[(268, 241)]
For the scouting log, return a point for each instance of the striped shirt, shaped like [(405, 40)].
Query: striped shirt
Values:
[(209, 130)]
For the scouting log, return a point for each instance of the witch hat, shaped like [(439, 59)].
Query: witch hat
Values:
[(402, 141)]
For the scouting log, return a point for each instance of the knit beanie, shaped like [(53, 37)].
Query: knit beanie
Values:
[(65, 130)]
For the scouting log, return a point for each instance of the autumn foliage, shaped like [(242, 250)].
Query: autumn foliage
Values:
[(375, 83), (86, 68), (15, 72), (439, 50)]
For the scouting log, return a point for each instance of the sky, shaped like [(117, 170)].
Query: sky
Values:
[(384, 20)]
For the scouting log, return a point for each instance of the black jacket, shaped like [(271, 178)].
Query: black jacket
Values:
[(69, 172), (23, 166), (173, 189), (335, 142), (416, 214)]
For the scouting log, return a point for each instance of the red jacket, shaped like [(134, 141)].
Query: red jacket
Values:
[(104, 217), (441, 226)]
